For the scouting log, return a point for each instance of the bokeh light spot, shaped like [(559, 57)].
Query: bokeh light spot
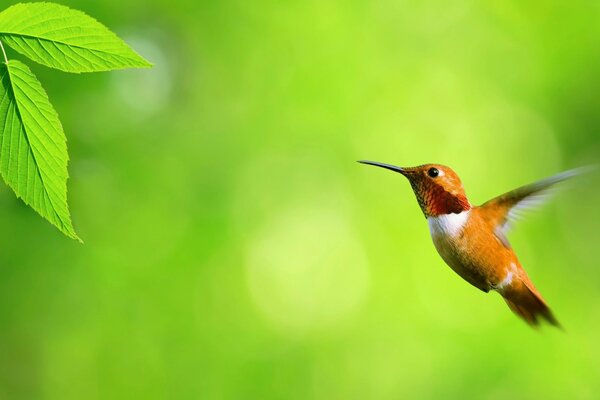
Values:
[(145, 91), (306, 269)]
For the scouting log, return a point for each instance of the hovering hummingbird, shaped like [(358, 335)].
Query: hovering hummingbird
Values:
[(472, 239)]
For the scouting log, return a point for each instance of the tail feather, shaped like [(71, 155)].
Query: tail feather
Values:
[(525, 301)]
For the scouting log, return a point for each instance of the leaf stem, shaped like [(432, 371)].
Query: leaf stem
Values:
[(4, 53)]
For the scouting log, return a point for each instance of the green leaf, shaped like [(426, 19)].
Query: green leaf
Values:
[(59, 37), (33, 147)]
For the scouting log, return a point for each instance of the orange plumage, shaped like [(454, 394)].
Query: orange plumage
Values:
[(472, 239)]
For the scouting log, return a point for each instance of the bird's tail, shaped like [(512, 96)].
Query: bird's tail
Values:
[(525, 301)]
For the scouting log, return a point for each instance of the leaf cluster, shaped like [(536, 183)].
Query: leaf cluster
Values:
[(33, 146)]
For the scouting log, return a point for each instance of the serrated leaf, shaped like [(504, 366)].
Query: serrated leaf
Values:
[(66, 39), (33, 147)]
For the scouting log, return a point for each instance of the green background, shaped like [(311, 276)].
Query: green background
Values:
[(235, 250)]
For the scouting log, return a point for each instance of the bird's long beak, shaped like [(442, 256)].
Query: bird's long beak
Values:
[(383, 165)]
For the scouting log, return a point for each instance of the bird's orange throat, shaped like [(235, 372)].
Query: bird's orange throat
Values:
[(435, 200)]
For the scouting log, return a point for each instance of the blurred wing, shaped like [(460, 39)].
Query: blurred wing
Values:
[(504, 210)]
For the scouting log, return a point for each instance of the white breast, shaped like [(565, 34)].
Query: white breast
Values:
[(448, 225)]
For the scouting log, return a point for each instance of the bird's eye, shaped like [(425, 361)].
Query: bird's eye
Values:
[(433, 172)]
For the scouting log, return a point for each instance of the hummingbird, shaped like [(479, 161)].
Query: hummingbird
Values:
[(472, 239)]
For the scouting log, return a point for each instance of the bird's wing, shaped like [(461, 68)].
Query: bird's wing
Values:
[(505, 209)]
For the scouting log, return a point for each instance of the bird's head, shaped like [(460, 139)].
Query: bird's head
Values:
[(438, 189)]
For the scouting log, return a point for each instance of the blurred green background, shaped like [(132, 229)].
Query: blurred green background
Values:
[(235, 250)]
